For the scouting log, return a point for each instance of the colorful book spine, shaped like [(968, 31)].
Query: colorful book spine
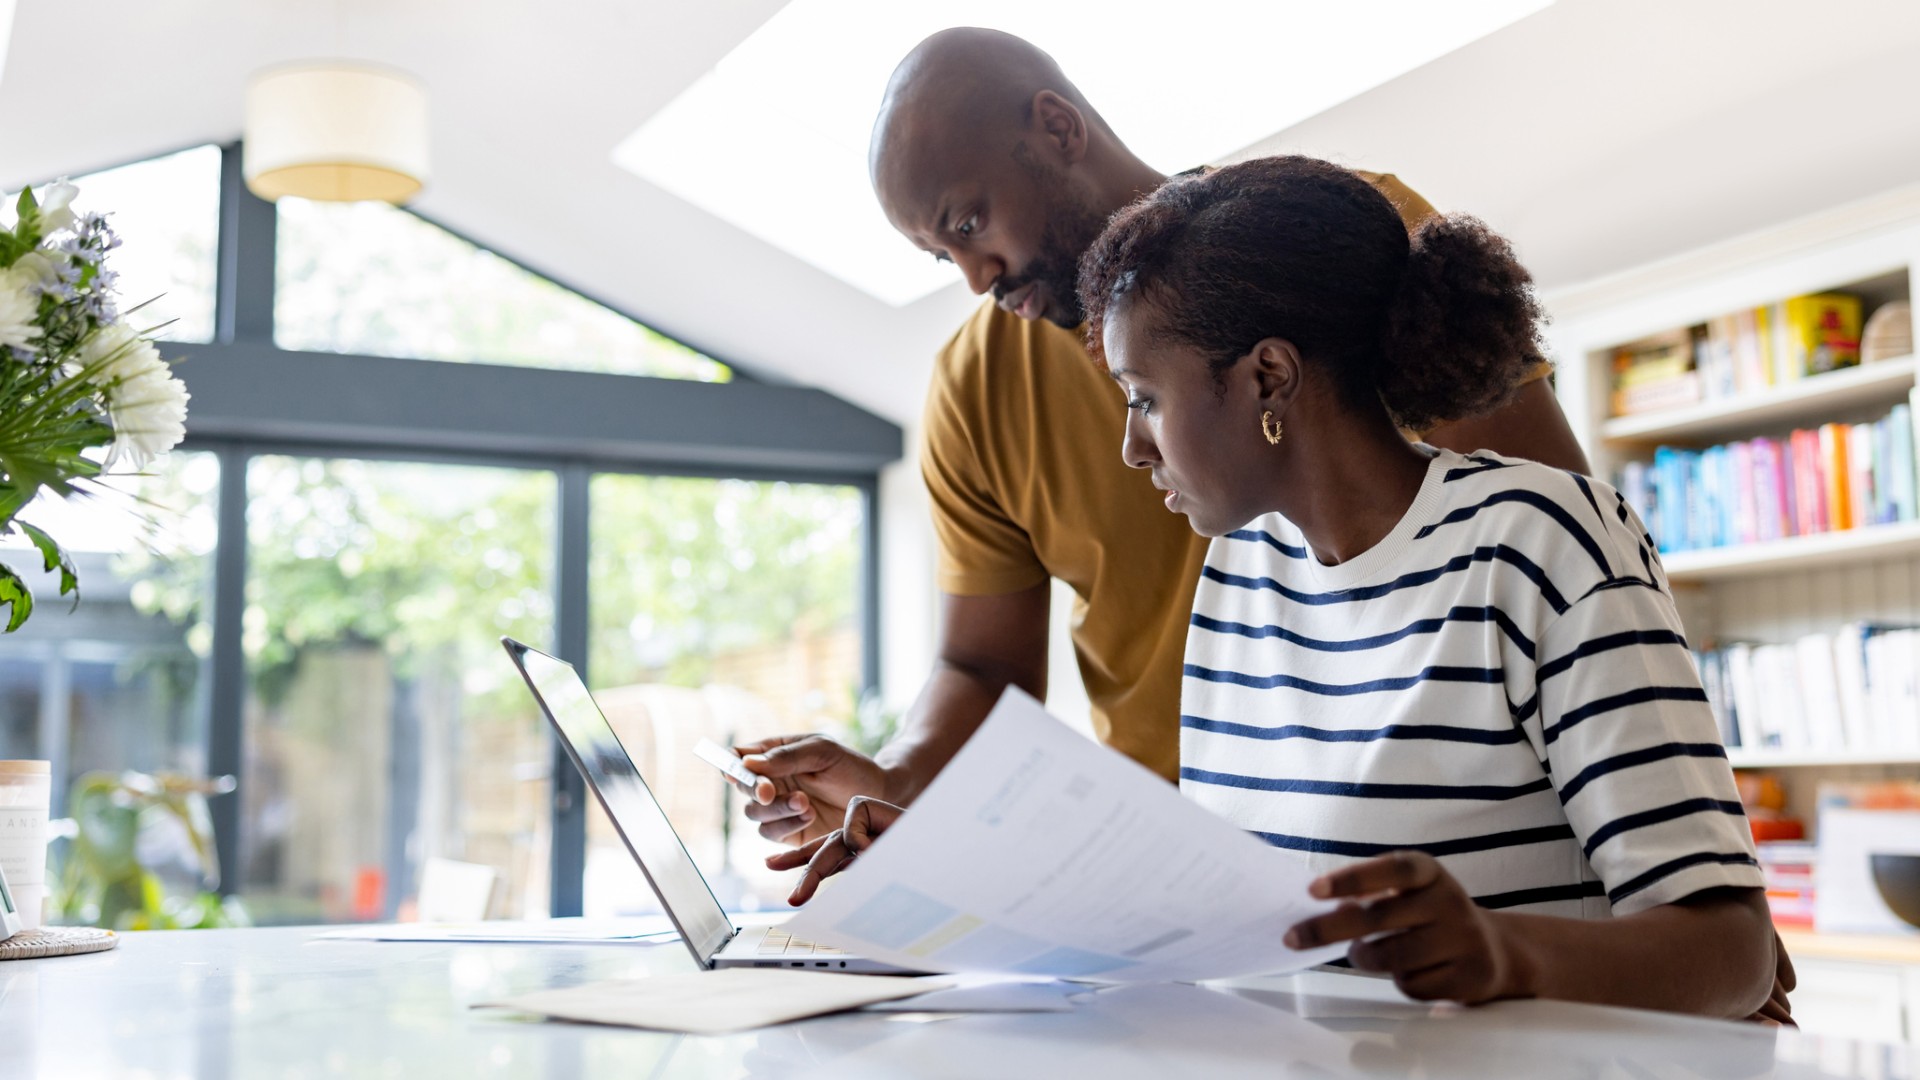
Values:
[(1838, 476)]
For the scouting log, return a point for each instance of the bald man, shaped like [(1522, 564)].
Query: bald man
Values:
[(984, 155)]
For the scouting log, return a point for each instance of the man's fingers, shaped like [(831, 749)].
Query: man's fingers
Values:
[(1398, 871), (806, 755), (764, 745), (794, 805), (1357, 920)]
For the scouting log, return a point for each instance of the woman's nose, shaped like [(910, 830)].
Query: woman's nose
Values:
[(1136, 447)]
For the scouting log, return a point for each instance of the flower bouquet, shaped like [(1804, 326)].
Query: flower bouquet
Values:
[(74, 377)]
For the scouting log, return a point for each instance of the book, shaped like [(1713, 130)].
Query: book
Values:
[(1823, 332), (1835, 474), (1856, 688)]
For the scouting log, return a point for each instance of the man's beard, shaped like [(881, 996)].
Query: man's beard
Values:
[(1072, 227)]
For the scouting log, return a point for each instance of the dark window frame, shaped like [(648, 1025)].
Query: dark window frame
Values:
[(247, 403)]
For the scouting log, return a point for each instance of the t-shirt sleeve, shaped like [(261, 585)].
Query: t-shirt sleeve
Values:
[(983, 552), (1414, 208), (1634, 752)]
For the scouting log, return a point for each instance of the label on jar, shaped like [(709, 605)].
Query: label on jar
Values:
[(23, 846)]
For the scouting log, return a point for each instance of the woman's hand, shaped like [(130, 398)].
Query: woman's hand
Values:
[(1409, 918), (866, 820)]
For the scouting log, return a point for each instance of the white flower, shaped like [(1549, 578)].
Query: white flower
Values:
[(19, 305), (122, 355), (55, 199), (149, 415)]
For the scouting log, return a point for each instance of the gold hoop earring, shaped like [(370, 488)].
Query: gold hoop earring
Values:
[(1270, 427)]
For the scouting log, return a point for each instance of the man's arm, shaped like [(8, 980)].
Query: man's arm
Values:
[(1530, 426), (987, 643)]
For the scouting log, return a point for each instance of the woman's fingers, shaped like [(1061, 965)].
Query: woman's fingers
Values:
[(866, 820), (829, 858), (1407, 951), (1355, 919), (1399, 871)]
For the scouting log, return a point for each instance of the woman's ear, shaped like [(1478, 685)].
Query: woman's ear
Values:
[(1277, 373)]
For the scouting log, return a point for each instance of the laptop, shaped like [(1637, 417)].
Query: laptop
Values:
[(637, 816)]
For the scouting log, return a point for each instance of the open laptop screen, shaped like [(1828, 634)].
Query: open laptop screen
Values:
[(635, 812)]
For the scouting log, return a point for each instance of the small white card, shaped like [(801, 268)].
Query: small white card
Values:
[(715, 1002)]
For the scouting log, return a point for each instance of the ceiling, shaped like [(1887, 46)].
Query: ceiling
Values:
[(1598, 134)]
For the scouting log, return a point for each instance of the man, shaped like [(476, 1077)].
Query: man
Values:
[(986, 156)]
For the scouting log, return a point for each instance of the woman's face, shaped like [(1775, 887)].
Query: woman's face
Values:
[(1200, 437)]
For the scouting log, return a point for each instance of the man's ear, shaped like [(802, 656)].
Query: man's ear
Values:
[(1061, 126), (1277, 373)]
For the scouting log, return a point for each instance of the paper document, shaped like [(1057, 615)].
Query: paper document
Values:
[(714, 1002), (990, 994), (1038, 851), (563, 930)]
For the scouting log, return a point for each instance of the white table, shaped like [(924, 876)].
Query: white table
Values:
[(247, 1004)]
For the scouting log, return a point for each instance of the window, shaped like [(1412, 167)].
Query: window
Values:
[(725, 609), (167, 212), (369, 278), (385, 727), (115, 682)]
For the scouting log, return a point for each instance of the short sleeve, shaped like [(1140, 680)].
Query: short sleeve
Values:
[(1413, 207), (983, 552), (1634, 752)]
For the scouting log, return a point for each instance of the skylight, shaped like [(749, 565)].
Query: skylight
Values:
[(774, 138)]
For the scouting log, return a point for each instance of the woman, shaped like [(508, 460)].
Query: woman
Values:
[(1456, 683)]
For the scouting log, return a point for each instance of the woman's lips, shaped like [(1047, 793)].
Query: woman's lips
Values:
[(1171, 497)]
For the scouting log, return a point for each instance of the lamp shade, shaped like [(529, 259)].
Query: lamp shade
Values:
[(336, 133)]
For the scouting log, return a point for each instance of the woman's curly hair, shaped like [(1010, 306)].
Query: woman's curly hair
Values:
[(1440, 326)]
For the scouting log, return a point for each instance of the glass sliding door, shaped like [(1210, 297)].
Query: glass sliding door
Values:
[(722, 609), (386, 732)]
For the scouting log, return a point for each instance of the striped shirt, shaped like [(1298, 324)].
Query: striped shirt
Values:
[(1501, 682)]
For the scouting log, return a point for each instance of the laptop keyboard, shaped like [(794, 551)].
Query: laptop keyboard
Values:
[(778, 942)]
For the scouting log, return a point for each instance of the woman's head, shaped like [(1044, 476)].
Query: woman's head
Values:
[(1285, 284)]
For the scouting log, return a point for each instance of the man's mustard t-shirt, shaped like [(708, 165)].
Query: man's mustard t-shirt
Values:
[(1021, 456)]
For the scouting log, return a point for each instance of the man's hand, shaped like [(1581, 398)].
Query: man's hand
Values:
[(866, 819), (1409, 918), (809, 782)]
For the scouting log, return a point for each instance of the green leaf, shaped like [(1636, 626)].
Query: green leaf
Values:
[(15, 594), (55, 559)]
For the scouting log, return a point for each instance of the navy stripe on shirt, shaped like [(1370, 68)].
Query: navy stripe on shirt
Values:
[(1673, 866), (1489, 613), (1539, 502), (1628, 760), (1502, 736), (1477, 792), (1544, 834), (1435, 673), (1683, 808), (1489, 553)]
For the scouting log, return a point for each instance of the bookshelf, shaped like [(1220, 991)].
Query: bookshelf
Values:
[(1778, 592), (1809, 401), (1794, 553)]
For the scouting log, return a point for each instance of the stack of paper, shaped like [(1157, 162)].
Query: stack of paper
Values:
[(1039, 852)]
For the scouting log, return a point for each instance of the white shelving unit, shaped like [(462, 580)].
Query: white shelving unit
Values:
[(1780, 590), (1807, 401), (1794, 553)]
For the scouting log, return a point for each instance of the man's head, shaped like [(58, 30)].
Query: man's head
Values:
[(984, 154)]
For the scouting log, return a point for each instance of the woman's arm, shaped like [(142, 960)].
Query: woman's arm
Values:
[(1710, 953)]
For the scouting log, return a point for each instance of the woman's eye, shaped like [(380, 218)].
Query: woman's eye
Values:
[(969, 227), (1145, 405)]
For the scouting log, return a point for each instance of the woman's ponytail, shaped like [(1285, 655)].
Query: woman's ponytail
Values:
[(1463, 331)]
